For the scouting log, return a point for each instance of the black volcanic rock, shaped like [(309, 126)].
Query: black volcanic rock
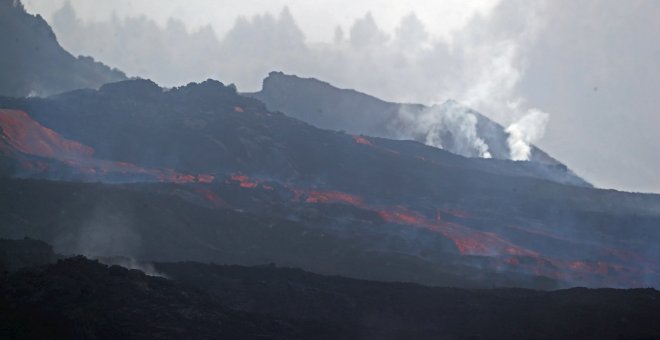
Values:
[(208, 127), (16, 254), (33, 63), (379, 310), (323, 105), (77, 298), (326, 106), (136, 89), (161, 222), (81, 299), (384, 209)]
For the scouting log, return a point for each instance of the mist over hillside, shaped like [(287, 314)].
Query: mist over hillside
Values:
[(230, 160), (34, 64), (584, 64), (308, 209), (449, 126)]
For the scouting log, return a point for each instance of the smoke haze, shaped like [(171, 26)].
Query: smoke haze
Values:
[(439, 120), (524, 132), (584, 72)]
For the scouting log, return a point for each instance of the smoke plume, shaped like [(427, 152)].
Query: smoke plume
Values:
[(585, 62), (449, 126), (524, 132), (107, 233)]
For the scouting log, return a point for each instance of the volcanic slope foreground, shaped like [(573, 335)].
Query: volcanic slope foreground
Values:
[(211, 160), (78, 298)]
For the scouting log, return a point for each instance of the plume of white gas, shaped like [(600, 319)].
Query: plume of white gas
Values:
[(529, 129), (449, 126), (494, 59)]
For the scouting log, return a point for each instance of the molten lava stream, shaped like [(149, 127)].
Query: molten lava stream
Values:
[(244, 181), (362, 140), (467, 241), (21, 135), (332, 196)]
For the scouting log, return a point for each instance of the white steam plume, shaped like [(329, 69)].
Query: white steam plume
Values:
[(130, 263), (524, 132), (449, 126), (494, 59), (489, 58), (479, 64)]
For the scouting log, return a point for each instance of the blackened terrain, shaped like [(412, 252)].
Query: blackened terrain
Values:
[(378, 310), (170, 222), (77, 298), (148, 177), (81, 299), (323, 105), (223, 153)]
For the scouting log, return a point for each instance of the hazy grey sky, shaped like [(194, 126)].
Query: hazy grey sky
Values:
[(587, 73), (317, 18)]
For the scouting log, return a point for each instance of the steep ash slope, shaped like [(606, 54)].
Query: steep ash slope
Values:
[(230, 224), (326, 106), (226, 151), (33, 63)]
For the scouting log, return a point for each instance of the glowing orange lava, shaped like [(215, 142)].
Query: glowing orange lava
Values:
[(22, 133), (204, 178), (22, 136), (332, 196), (400, 217), (247, 182), (473, 242), (38, 150), (467, 241), (362, 140), (244, 181)]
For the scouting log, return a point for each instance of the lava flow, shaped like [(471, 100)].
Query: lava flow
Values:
[(38, 150), (362, 140), (244, 181), (313, 196), (21, 133), (24, 139), (473, 242), (467, 241)]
